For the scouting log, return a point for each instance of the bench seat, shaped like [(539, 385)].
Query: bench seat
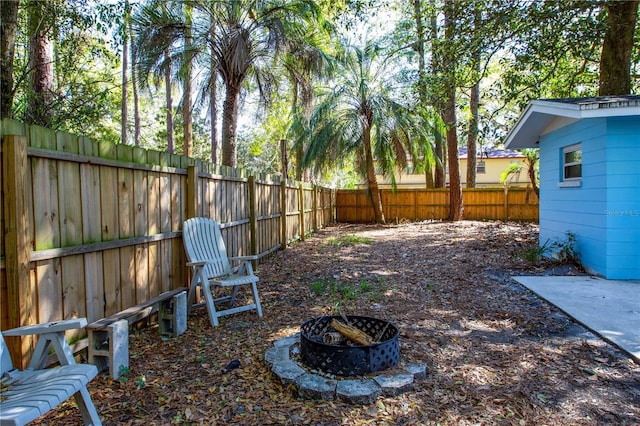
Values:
[(109, 337)]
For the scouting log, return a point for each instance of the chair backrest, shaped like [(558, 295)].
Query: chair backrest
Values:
[(203, 242), (5, 357)]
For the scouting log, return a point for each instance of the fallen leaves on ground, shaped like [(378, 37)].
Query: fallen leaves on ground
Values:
[(495, 353)]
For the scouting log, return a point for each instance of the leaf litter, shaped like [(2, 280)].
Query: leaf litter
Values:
[(495, 353)]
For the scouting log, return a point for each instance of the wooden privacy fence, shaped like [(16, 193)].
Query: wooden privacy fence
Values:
[(90, 229), (425, 204)]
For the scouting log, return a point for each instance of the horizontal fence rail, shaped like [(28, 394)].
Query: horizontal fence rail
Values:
[(90, 229), (433, 204)]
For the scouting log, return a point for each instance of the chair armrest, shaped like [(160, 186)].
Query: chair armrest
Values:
[(197, 263), (49, 327)]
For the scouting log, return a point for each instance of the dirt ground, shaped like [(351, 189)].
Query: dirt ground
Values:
[(495, 353)]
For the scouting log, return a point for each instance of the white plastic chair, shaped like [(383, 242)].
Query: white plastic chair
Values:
[(207, 257), (30, 393)]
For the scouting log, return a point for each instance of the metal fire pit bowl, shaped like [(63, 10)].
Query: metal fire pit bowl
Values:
[(349, 359)]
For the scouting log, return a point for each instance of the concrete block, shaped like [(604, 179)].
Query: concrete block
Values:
[(419, 371), (395, 384), (109, 347), (287, 341), (287, 371), (311, 386), (172, 315), (277, 354), (363, 391)]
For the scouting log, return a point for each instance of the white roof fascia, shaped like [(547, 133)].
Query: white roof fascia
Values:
[(538, 116)]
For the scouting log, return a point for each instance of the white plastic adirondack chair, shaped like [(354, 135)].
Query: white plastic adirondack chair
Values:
[(207, 257), (28, 394)]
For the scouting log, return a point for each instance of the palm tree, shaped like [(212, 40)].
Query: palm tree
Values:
[(242, 38), (162, 37), (304, 63), (249, 35), (359, 116)]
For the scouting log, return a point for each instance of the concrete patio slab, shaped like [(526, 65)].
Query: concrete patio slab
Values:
[(609, 308)]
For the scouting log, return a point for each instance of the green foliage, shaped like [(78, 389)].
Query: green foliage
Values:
[(537, 253), (565, 250), (562, 250), (509, 173), (361, 116), (86, 92), (259, 148), (348, 239), (339, 293), (141, 381), (124, 372)]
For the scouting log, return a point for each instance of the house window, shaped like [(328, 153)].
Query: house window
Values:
[(572, 162), (481, 167)]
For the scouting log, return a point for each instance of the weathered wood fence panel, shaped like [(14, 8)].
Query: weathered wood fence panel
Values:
[(293, 217), (425, 204), (91, 229)]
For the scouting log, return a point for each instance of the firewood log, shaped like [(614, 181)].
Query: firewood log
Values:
[(352, 333)]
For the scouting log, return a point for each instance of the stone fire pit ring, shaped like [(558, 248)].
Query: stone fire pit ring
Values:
[(312, 386)]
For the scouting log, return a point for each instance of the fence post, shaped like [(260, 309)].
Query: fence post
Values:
[(314, 223), (283, 209), (333, 203), (301, 207), (253, 217), (506, 202), (192, 192), (17, 244)]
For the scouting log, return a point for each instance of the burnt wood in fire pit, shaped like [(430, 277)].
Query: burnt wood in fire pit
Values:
[(350, 359)]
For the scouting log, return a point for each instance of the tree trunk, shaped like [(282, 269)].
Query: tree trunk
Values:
[(187, 142), (124, 108), (134, 87), (8, 28), (374, 191), (299, 148), (229, 123), (474, 102), (532, 177), (422, 83), (169, 101), (615, 62), (41, 65), (213, 99), (436, 69), (472, 137), (456, 208)]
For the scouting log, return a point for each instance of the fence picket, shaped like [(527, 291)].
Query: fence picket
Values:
[(433, 204)]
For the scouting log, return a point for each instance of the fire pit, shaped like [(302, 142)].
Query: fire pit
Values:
[(322, 348)]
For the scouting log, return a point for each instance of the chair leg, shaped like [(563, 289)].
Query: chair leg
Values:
[(195, 282), (211, 307), (86, 407), (232, 301), (256, 298)]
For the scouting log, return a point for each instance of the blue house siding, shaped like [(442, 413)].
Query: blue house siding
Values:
[(579, 210), (623, 198), (604, 211), (602, 208)]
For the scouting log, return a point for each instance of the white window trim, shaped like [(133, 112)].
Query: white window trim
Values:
[(570, 182)]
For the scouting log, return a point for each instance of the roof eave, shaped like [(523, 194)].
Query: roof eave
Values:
[(539, 113)]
